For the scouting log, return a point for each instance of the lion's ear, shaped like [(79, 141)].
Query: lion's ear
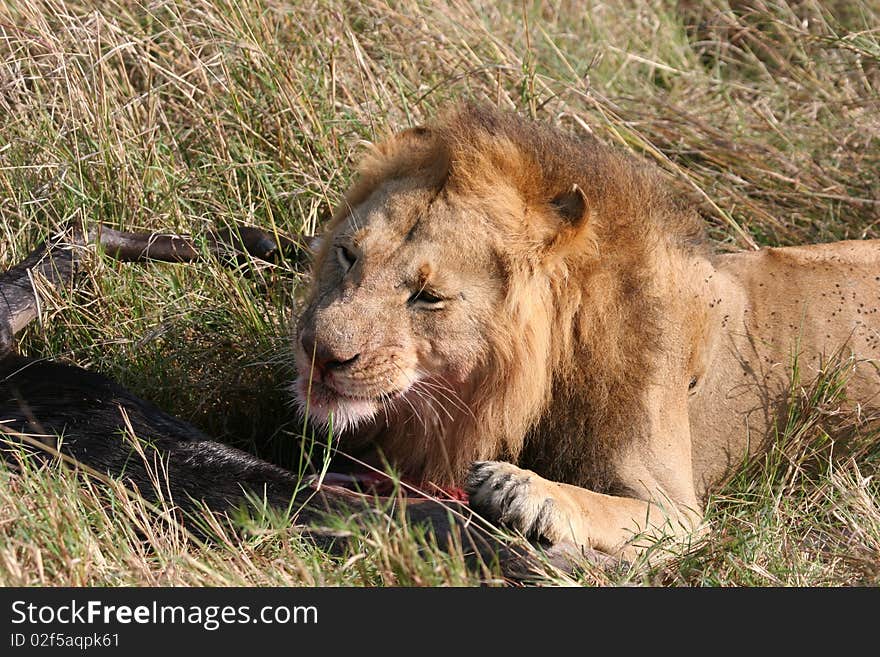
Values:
[(416, 133), (396, 142), (573, 224), (571, 206), (408, 139), (410, 152), (573, 230)]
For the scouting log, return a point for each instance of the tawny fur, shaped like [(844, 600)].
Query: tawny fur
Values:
[(589, 332)]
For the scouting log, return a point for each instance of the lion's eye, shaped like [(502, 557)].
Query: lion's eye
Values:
[(345, 257), (426, 299)]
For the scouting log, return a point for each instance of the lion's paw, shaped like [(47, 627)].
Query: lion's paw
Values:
[(515, 498)]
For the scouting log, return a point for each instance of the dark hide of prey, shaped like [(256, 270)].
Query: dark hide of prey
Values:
[(46, 399)]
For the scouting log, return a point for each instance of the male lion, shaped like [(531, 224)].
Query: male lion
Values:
[(494, 295)]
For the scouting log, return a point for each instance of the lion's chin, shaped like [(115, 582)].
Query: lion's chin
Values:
[(327, 408)]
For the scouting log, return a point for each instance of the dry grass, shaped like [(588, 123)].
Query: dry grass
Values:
[(175, 116)]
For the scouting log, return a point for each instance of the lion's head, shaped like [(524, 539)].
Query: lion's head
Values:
[(470, 278)]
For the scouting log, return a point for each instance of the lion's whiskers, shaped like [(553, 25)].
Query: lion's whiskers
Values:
[(440, 386), (428, 400), (422, 395)]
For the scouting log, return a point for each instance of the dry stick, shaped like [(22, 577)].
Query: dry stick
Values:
[(59, 260), (240, 243)]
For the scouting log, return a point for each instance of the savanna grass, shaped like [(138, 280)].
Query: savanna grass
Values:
[(179, 116)]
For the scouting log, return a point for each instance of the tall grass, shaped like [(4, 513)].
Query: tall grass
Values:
[(176, 116)]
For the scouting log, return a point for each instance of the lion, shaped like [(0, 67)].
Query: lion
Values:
[(499, 305)]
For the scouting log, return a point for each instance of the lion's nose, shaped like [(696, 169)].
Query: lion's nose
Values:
[(325, 357)]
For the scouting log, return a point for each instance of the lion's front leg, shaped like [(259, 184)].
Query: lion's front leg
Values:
[(541, 509)]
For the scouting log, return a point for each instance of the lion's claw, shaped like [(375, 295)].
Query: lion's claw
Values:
[(507, 495)]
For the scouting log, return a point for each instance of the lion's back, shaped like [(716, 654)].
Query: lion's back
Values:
[(816, 300), (863, 256)]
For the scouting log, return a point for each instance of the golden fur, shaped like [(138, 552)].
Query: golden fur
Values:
[(495, 295)]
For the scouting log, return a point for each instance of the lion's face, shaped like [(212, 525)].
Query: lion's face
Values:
[(407, 286)]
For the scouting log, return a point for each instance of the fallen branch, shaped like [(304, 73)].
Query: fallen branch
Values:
[(58, 260), (235, 244)]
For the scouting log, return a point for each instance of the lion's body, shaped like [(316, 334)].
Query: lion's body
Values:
[(773, 304), (500, 304)]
